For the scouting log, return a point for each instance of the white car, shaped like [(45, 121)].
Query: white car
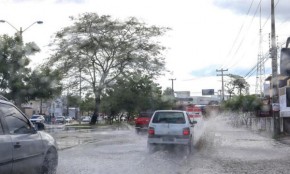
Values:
[(86, 119), (170, 127), (60, 119), (68, 119), (37, 119)]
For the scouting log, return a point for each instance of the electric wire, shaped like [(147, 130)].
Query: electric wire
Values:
[(270, 15), (266, 57), (242, 41), (250, 73), (240, 30)]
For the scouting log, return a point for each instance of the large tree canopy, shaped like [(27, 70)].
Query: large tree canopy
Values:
[(101, 49), (44, 83), (14, 71), (133, 95), (17, 82), (237, 84)]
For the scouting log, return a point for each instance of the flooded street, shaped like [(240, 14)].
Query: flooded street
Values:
[(219, 148)]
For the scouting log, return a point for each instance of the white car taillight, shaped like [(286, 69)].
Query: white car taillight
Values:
[(151, 131), (186, 131)]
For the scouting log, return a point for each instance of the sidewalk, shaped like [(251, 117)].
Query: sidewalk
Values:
[(285, 139)]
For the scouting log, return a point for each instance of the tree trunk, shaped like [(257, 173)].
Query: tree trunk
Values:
[(96, 112), (18, 104), (40, 109)]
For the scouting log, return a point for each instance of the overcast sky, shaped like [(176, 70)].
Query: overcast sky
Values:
[(206, 34)]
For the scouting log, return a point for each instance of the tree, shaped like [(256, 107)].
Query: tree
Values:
[(237, 83), (14, 71), (168, 91), (247, 103), (44, 83), (102, 49), (168, 98), (133, 95), (230, 88), (87, 105)]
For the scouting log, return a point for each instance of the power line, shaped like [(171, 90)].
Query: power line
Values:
[(270, 14), (242, 26), (252, 70), (242, 41), (250, 73)]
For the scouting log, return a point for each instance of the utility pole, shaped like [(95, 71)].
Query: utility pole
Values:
[(222, 74), (172, 86), (274, 84)]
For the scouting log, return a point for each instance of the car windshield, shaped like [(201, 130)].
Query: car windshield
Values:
[(169, 117), (86, 76)]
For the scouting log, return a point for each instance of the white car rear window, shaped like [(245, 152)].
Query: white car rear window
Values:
[(169, 117)]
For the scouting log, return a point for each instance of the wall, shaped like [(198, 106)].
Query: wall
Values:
[(264, 125)]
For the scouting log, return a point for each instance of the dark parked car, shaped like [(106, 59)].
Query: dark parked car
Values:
[(24, 148), (142, 121)]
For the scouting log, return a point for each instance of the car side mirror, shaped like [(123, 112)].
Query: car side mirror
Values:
[(39, 126), (193, 122)]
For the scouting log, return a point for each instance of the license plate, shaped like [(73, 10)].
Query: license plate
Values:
[(168, 139)]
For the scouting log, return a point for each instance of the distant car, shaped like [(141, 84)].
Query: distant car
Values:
[(142, 121), (24, 147), (172, 127), (86, 119), (60, 119), (68, 119), (37, 119)]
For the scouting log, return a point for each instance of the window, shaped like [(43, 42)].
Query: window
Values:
[(16, 122), (169, 117)]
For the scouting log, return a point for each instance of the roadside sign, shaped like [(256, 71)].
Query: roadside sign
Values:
[(207, 92)]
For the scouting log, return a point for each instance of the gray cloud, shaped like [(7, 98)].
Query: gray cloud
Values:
[(57, 1), (282, 9), (70, 1), (20, 1)]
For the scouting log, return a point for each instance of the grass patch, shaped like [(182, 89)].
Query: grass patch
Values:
[(78, 126), (97, 125)]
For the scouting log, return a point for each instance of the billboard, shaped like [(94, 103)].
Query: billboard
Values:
[(285, 62), (207, 92), (182, 94)]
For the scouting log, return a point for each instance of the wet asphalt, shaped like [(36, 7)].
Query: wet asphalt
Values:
[(219, 148)]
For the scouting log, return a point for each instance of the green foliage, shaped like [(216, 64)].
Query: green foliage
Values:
[(168, 91), (17, 82), (73, 100), (88, 105), (237, 85), (14, 71), (44, 83), (103, 49), (134, 94), (247, 103)]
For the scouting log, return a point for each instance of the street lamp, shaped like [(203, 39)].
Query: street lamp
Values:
[(20, 31)]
